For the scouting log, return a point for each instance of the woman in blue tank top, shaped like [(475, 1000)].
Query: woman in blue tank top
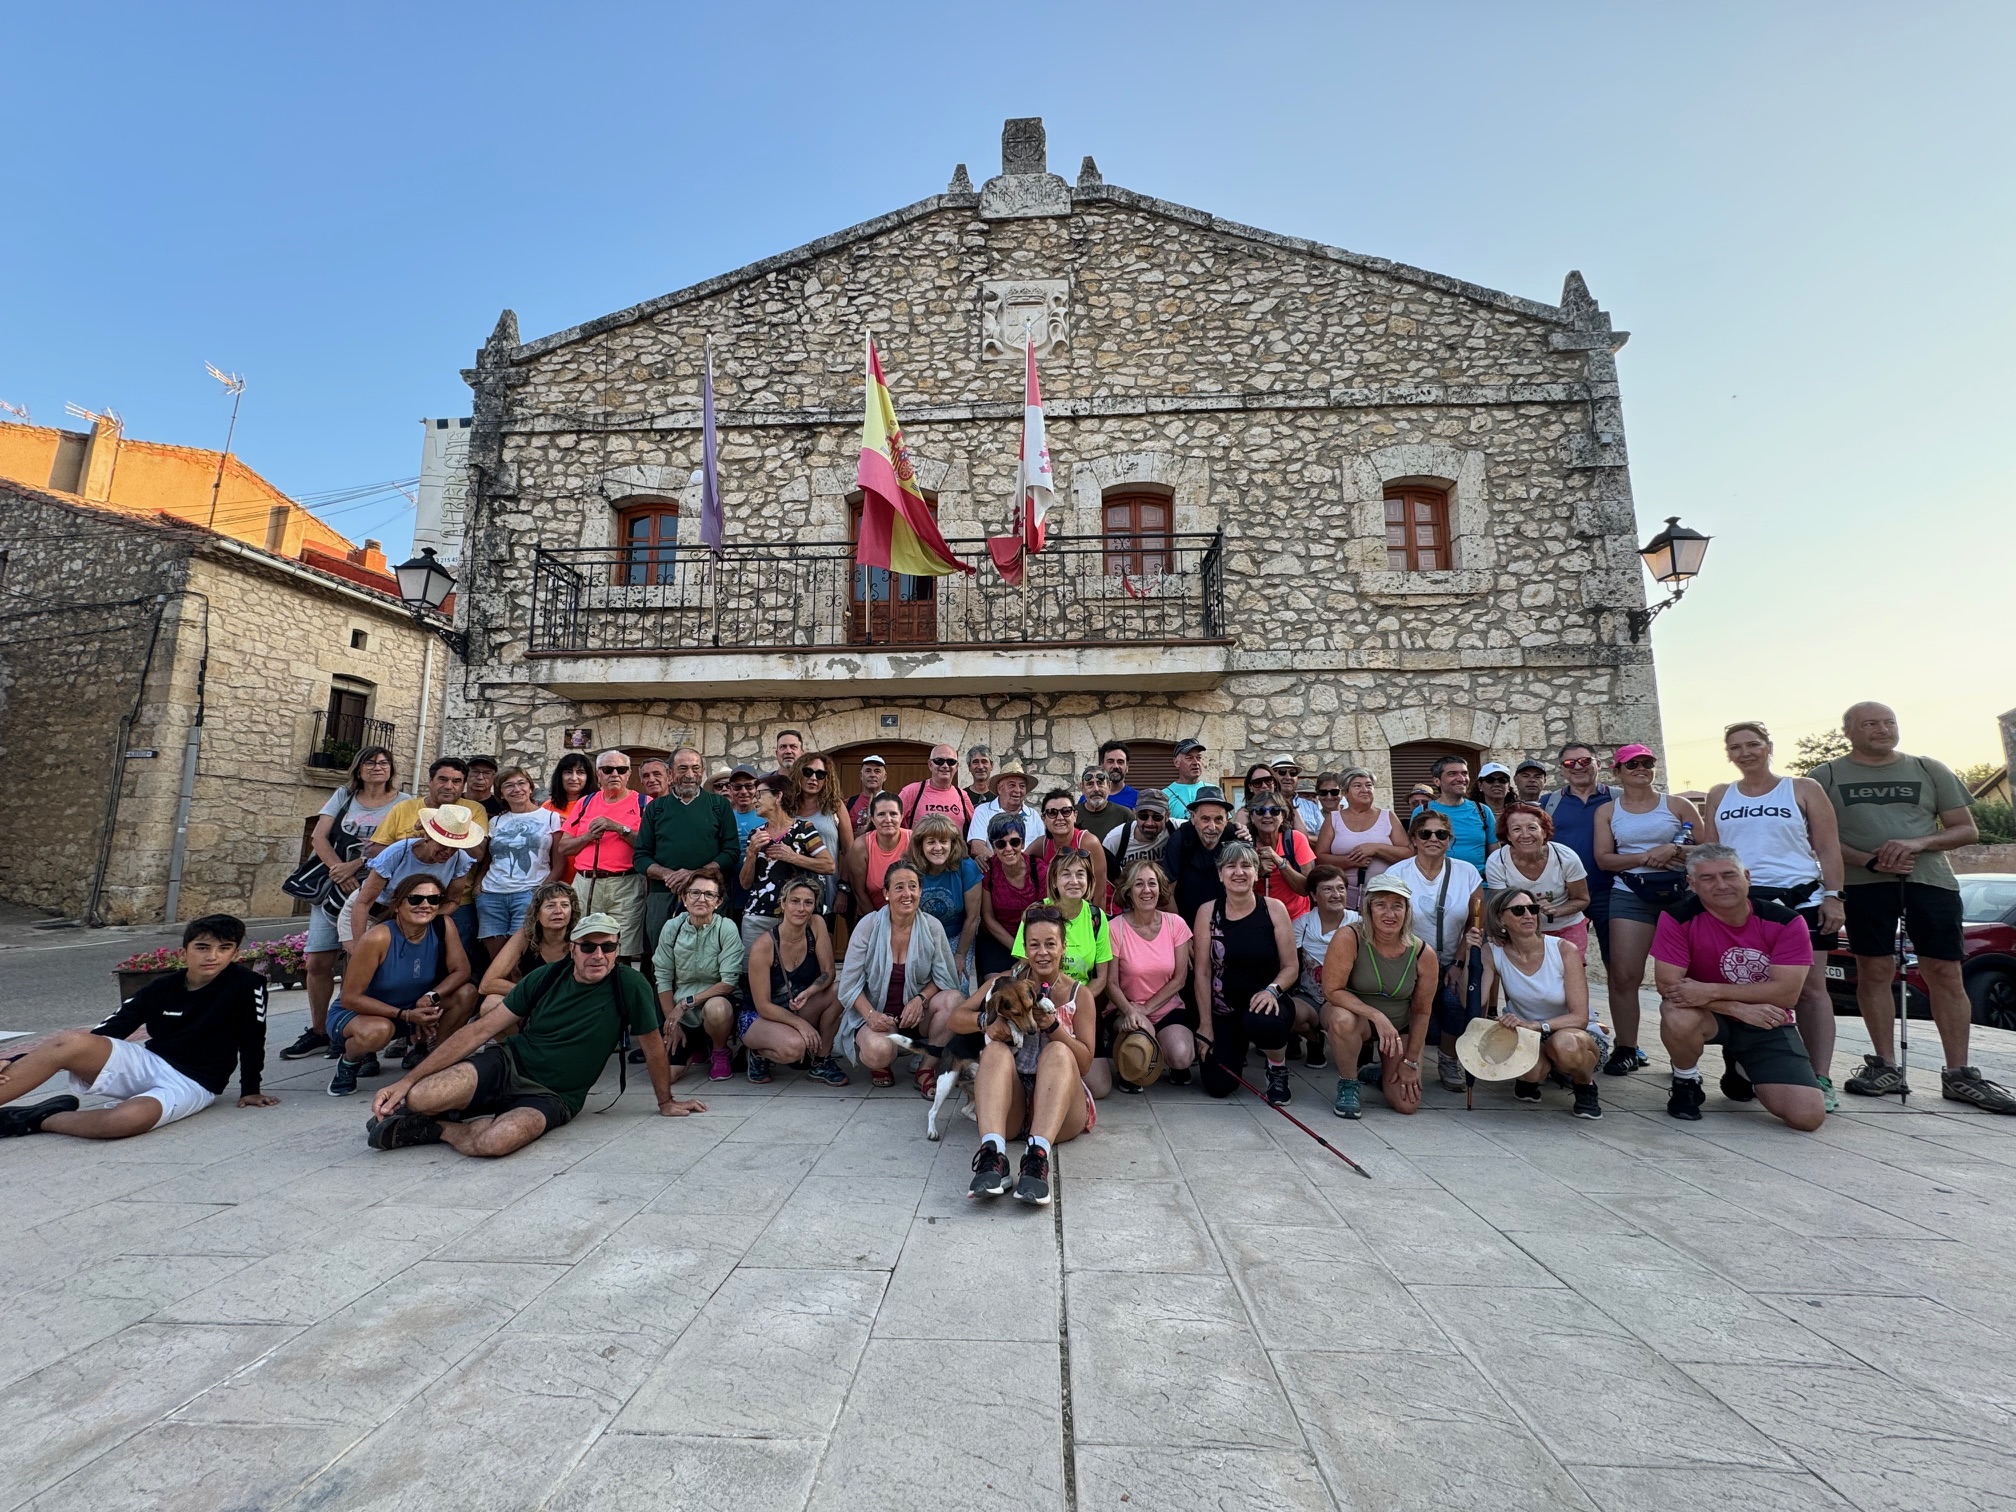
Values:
[(407, 977)]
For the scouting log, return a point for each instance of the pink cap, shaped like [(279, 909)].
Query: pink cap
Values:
[(1629, 753)]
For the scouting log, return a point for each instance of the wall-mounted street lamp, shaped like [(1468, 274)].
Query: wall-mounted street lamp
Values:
[(1673, 557), (424, 586)]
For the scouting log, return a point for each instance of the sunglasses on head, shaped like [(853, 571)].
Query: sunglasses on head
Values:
[(1428, 834), (596, 947), (424, 900), (612, 771)]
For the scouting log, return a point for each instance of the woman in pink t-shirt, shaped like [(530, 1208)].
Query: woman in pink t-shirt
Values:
[(1151, 964)]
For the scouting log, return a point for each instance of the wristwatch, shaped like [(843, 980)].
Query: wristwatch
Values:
[(1832, 892)]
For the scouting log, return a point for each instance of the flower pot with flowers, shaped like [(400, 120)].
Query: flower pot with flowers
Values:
[(136, 971), (283, 962)]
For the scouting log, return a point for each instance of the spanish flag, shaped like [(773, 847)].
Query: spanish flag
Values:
[(897, 530)]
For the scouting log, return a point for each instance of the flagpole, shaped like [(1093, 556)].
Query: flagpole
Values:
[(707, 444)]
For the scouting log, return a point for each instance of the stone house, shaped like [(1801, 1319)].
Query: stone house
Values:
[(1309, 501), (116, 632)]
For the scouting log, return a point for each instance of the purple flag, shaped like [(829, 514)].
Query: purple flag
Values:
[(710, 461)]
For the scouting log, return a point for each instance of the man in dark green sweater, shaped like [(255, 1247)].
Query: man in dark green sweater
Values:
[(688, 832)]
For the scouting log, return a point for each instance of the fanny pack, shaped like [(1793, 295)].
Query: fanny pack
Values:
[(1661, 890), (1795, 898)]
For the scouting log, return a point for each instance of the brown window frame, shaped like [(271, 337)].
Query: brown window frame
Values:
[(1409, 555), (652, 562), (1144, 557)]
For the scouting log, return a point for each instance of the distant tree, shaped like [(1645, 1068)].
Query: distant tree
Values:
[(1816, 750), (1973, 776)]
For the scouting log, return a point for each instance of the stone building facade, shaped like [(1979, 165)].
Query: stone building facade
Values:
[(114, 632), (1270, 392)]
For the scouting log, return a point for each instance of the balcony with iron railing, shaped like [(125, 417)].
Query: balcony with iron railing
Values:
[(337, 738), (770, 618)]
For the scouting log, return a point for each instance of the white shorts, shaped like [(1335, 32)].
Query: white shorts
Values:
[(135, 1071)]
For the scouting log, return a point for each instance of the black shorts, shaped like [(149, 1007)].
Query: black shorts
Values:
[(500, 1089), (1771, 1057), (1931, 918)]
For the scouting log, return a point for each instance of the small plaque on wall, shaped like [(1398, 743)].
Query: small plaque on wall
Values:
[(579, 739)]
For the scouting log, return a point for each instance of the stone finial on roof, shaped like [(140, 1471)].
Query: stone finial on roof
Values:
[(1088, 174), (1025, 186), (506, 332), (1588, 323), (960, 184)]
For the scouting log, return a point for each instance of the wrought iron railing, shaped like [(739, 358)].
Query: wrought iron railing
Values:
[(615, 600), (336, 740)]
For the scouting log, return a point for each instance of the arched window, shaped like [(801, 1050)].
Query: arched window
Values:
[(1137, 528), (1417, 528), (648, 531)]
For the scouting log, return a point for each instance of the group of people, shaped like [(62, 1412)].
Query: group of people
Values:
[(504, 946)]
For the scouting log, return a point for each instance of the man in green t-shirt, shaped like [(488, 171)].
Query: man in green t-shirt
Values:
[(1899, 814), (490, 1099)]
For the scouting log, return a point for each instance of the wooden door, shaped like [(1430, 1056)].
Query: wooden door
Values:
[(887, 607), (908, 761)]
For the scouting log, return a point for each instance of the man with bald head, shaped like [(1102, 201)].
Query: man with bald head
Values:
[(1899, 815), (939, 793), (689, 832)]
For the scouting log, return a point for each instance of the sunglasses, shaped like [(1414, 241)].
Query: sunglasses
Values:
[(1640, 764), (1288, 771), (1523, 910), (1577, 763), (1268, 808), (1495, 777), (814, 772), (1329, 792), (1008, 842), (1432, 834), (612, 771), (951, 761), (596, 947), (1058, 813), (424, 900)]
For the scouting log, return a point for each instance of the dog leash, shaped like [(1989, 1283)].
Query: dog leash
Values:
[(1297, 1122)]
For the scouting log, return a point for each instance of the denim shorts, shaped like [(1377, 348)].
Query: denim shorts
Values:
[(501, 913), (1628, 908), (321, 932)]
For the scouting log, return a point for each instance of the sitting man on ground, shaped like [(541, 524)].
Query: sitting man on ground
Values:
[(1729, 973), (490, 1099), (200, 1022)]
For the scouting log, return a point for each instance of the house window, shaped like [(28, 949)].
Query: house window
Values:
[(1417, 529), (1137, 531), (649, 532), (360, 640)]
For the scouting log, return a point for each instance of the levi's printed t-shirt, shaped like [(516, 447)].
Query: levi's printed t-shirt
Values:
[(1901, 801)]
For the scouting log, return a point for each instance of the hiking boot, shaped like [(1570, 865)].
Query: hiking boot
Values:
[(1586, 1105), (344, 1082), (1449, 1072), (1033, 1185), (311, 1042), (1312, 1051), (990, 1173), (402, 1131), (827, 1070), (1877, 1078), (1624, 1060), (1526, 1091), (1685, 1100), (1832, 1097), (1735, 1085), (720, 1065), (1969, 1086), (1348, 1105), (1279, 1093), (758, 1069), (413, 1057), (28, 1120)]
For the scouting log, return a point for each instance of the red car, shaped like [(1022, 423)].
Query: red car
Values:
[(1988, 905)]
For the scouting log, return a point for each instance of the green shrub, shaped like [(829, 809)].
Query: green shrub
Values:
[(1993, 818)]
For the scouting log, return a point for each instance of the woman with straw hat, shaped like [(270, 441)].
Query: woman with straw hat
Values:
[(1546, 989), (1379, 981)]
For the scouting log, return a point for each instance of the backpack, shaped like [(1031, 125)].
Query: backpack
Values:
[(1552, 801), (544, 990), (965, 809)]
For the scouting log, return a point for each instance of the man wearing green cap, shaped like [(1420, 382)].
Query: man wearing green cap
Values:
[(490, 1099)]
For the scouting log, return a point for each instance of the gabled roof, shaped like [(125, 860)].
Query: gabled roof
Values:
[(1083, 194)]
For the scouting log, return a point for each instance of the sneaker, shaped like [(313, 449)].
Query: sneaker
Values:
[(758, 1069), (1735, 1085), (1969, 1086), (1370, 1074), (28, 1120), (1279, 1093), (1312, 1051), (402, 1131), (720, 1066), (1348, 1105), (1624, 1060), (1121, 1084), (311, 1042), (827, 1070), (1685, 1100), (1526, 1091), (1178, 1078), (1877, 1078), (636, 1056), (369, 1067), (1586, 1105), (344, 1082), (1033, 1185), (1827, 1091), (1449, 1071), (990, 1173), (413, 1057)]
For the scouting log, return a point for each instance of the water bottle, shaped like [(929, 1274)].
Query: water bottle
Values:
[(1686, 835)]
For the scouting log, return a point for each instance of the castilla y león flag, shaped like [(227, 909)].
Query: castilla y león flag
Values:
[(897, 531)]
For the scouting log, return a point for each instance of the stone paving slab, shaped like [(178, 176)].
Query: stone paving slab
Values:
[(789, 1303)]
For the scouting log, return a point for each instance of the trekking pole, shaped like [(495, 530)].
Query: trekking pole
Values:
[(1903, 1002), (1298, 1123)]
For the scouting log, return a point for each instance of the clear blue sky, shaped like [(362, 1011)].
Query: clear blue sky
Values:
[(1802, 212)]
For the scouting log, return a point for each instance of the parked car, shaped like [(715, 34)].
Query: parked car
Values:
[(1988, 907)]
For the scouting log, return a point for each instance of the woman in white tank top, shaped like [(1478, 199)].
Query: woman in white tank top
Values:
[(1786, 831), (1545, 987), (1359, 840), (1640, 830)]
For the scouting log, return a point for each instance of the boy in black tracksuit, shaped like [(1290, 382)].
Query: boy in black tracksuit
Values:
[(200, 1022)]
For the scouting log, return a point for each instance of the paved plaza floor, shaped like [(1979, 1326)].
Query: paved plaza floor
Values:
[(789, 1302)]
